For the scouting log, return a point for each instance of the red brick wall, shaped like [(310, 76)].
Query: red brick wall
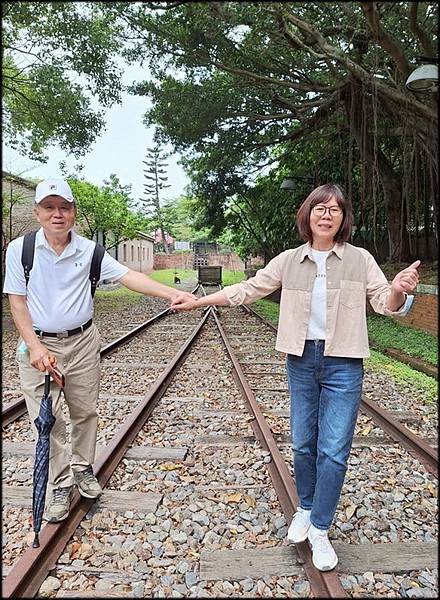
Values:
[(185, 260), (173, 261), (423, 314)]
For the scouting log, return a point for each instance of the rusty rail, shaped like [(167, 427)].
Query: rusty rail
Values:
[(420, 449), (29, 572), (14, 410), (323, 584), (416, 445)]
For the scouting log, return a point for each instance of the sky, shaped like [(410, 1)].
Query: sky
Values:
[(120, 149)]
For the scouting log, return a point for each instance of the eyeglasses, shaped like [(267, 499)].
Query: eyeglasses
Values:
[(319, 210)]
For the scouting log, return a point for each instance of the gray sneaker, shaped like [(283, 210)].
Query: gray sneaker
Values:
[(87, 483), (59, 504)]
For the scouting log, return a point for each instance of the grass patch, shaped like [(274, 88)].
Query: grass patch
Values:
[(267, 309), (420, 383), (384, 333), (230, 277), (166, 276), (107, 301)]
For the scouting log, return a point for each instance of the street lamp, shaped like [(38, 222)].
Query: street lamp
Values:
[(289, 182), (425, 77)]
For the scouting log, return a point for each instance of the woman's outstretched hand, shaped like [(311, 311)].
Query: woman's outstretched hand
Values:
[(407, 279)]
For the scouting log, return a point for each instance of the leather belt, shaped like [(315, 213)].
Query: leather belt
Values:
[(64, 334)]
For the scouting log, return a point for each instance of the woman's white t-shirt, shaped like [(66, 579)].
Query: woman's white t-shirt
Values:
[(318, 307)]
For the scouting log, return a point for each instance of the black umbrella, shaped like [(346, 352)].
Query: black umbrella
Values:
[(44, 423)]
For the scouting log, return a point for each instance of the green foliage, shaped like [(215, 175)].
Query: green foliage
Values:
[(422, 385), (321, 92), (384, 333), (11, 226), (156, 178), (180, 214), (252, 229), (107, 209), (47, 47)]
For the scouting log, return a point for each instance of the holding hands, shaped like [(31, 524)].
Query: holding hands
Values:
[(407, 279), (187, 302), (183, 301)]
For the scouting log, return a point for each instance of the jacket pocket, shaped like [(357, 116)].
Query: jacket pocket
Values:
[(352, 293)]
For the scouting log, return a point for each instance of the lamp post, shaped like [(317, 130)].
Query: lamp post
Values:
[(425, 77)]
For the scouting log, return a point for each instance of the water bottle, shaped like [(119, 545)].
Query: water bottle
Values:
[(22, 349)]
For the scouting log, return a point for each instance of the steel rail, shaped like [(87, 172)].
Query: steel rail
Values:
[(17, 408), (323, 584), (29, 572), (416, 445)]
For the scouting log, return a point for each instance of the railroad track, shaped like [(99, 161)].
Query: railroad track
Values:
[(204, 449), (389, 422)]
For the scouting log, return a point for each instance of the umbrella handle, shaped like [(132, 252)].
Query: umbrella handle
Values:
[(47, 384)]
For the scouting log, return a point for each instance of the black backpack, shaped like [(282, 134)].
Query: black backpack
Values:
[(27, 260)]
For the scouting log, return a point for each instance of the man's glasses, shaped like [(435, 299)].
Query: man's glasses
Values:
[(319, 210)]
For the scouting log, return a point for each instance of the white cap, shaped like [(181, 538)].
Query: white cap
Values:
[(53, 187)]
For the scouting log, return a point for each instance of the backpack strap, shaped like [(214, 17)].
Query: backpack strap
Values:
[(95, 267), (27, 254), (27, 260)]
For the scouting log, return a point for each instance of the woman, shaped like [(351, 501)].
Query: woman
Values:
[(323, 330)]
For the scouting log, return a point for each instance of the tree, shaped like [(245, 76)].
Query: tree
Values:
[(182, 215), (107, 209), (259, 76), (16, 215), (47, 46), (156, 174)]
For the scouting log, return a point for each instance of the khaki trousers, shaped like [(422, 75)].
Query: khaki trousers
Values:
[(78, 359)]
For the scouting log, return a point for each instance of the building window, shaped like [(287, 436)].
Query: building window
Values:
[(124, 252), (143, 253), (132, 253)]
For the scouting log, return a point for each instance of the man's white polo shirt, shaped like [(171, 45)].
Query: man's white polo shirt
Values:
[(58, 293)]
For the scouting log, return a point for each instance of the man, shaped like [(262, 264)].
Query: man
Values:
[(53, 314)]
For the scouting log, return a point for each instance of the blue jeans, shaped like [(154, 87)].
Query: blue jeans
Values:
[(325, 393)]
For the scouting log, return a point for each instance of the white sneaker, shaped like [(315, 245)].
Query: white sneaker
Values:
[(299, 526), (323, 556)]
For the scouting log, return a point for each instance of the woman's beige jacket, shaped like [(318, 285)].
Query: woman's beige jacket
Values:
[(353, 277)]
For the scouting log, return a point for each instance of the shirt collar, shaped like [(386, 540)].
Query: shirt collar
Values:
[(306, 250), (71, 248)]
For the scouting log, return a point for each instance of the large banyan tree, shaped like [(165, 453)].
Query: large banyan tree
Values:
[(238, 84)]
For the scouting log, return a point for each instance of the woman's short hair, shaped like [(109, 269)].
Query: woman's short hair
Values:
[(321, 195)]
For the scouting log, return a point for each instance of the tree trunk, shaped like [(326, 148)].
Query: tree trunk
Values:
[(396, 218), (165, 243)]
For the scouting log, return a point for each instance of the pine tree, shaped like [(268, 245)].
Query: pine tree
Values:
[(155, 173)]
